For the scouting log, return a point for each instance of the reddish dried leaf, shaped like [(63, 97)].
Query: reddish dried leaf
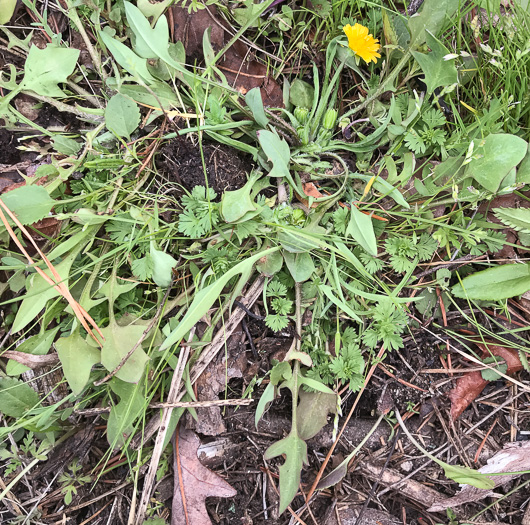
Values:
[(311, 191), (48, 227), (193, 483), (470, 385)]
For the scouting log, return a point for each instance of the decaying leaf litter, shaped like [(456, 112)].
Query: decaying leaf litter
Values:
[(264, 262)]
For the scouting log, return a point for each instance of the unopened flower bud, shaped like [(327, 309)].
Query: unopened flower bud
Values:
[(302, 115), (330, 119)]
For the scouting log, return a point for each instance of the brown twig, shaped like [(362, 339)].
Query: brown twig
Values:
[(179, 404)]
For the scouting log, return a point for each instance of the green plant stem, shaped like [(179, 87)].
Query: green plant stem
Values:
[(61, 106), (83, 92), (383, 86), (74, 17)]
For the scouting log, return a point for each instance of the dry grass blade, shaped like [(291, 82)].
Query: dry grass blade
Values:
[(83, 316), (173, 397)]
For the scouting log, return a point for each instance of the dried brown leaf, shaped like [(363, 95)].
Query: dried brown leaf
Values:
[(189, 28), (243, 74), (194, 483), (214, 380), (311, 191)]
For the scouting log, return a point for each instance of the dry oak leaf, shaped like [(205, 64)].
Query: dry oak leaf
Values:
[(470, 385), (514, 457), (244, 74), (193, 483), (237, 64), (189, 28)]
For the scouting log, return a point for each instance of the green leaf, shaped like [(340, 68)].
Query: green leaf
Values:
[(495, 284), (300, 265), (39, 292), (122, 115), (164, 94), (255, 103), (163, 263), (312, 412), (280, 372), (205, 298), (298, 240), (45, 68), (87, 216), (277, 151), (29, 203), (142, 268), (466, 475), (386, 188), (119, 340), (65, 145), (498, 364), (516, 218), (7, 8), (236, 204), (295, 450), (148, 41), (123, 415), (431, 17), (16, 397), (438, 72), (77, 358), (270, 264), (395, 30), (328, 292), (301, 94), (322, 8), (154, 10), (127, 58), (35, 345), (266, 398), (361, 229), (500, 154), (315, 385), (523, 171)]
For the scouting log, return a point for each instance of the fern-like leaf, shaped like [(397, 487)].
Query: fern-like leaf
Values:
[(516, 218)]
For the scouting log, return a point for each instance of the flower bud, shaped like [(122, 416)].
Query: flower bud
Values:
[(330, 119), (302, 115)]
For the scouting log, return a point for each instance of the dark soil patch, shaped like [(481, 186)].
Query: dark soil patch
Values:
[(180, 162), (9, 154), (50, 116)]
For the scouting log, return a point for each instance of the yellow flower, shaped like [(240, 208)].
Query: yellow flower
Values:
[(362, 43)]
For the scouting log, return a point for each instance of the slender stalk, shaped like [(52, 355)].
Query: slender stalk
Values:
[(383, 86), (74, 17)]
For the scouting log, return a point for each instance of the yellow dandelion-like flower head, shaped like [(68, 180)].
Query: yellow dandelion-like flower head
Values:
[(361, 43)]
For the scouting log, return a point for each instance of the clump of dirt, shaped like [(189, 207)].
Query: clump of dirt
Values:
[(180, 163), (9, 154)]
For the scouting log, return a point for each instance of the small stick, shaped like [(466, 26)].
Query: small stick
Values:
[(180, 404)]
